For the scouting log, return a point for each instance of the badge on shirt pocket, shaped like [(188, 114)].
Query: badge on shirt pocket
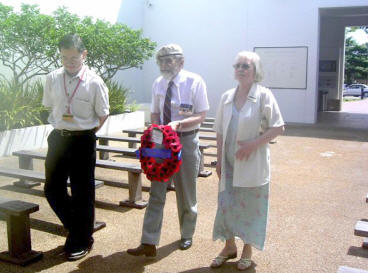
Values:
[(185, 109), (68, 117)]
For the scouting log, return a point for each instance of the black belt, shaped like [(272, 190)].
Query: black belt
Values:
[(67, 133), (181, 134)]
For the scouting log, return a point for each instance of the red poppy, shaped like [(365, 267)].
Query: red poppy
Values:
[(166, 168)]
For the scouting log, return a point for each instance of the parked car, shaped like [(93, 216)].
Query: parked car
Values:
[(355, 90)]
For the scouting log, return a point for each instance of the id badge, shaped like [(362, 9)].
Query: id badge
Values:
[(185, 109), (68, 117)]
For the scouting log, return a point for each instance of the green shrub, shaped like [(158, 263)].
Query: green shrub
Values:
[(118, 98), (29, 42), (20, 106)]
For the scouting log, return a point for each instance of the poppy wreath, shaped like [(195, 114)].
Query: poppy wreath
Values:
[(170, 163)]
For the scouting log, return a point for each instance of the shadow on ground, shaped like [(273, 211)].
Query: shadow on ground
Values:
[(226, 268), (122, 262), (50, 259)]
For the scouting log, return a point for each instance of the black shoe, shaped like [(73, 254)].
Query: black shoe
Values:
[(143, 249), (76, 253), (185, 243)]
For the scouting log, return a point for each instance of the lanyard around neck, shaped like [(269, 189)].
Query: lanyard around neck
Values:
[(75, 90)]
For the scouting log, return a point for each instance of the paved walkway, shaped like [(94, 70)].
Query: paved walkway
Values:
[(356, 106), (353, 115), (319, 184)]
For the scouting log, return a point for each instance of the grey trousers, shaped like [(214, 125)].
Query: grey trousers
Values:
[(186, 195)]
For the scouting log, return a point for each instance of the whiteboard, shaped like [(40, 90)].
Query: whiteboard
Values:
[(284, 67)]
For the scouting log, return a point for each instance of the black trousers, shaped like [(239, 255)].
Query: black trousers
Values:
[(73, 157)]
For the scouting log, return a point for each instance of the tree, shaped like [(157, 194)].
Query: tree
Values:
[(364, 28), (28, 42), (111, 47), (356, 61), (24, 42)]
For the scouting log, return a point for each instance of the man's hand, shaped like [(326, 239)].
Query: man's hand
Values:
[(102, 121), (174, 125)]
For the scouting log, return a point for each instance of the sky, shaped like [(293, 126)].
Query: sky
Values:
[(359, 36), (106, 9)]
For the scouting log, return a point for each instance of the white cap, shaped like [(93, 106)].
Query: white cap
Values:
[(169, 50)]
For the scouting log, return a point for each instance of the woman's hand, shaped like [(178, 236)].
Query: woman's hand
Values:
[(218, 169), (247, 147)]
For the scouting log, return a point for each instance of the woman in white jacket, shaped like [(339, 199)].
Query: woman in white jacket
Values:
[(248, 118)]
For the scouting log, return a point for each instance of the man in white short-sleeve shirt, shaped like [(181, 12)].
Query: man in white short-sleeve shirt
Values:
[(188, 106), (79, 105)]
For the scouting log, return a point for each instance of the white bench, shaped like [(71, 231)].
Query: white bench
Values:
[(346, 269), (361, 229), (28, 176), (134, 174)]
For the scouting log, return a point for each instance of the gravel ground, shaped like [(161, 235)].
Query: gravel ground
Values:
[(318, 189)]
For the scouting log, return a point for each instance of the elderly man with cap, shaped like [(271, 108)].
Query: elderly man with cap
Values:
[(179, 99)]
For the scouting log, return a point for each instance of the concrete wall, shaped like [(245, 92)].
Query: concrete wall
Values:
[(283, 24), (212, 32), (131, 14), (35, 137)]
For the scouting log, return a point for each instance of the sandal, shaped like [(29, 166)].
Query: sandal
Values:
[(244, 264), (220, 260)]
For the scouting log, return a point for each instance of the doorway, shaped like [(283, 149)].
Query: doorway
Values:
[(331, 110)]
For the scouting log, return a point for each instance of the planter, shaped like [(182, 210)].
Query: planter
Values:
[(28, 138), (117, 123), (35, 137)]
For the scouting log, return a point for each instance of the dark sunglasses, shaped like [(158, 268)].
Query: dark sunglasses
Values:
[(242, 66)]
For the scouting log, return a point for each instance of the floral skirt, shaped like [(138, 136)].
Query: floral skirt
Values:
[(242, 212)]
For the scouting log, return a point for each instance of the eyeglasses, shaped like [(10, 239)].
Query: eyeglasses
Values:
[(242, 66), (73, 60), (167, 61)]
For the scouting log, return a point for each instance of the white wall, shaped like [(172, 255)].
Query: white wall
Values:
[(283, 24), (131, 14), (210, 38), (212, 32)]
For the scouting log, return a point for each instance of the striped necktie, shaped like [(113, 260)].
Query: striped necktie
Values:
[(167, 104)]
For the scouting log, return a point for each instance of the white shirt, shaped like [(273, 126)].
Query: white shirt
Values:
[(188, 88), (89, 102), (259, 113)]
